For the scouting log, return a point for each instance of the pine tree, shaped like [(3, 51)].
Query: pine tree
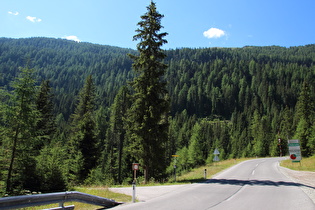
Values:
[(116, 144), (195, 146), (49, 168), (83, 141), (148, 121), (304, 113), (44, 103), (20, 133)]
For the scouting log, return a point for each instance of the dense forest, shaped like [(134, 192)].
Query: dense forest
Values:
[(246, 102)]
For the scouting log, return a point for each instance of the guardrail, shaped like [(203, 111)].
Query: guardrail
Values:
[(15, 202)]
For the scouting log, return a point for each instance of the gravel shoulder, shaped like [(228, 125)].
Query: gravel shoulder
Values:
[(147, 193), (306, 178)]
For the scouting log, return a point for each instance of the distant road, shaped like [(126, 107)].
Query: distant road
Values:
[(254, 184)]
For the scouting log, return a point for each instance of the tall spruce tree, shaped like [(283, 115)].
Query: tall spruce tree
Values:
[(148, 124), (83, 141), (117, 131), (46, 126)]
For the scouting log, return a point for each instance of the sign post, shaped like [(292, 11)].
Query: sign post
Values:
[(175, 156), (279, 143), (135, 168), (295, 150)]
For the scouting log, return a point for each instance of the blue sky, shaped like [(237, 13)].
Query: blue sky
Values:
[(198, 23)]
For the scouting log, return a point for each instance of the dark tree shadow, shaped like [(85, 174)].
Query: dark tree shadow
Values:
[(254, 182)]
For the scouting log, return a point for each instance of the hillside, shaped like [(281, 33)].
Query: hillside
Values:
[(205, 82), (67, 64), (239, 100)]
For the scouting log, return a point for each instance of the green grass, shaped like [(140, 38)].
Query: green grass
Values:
[(306, 164)]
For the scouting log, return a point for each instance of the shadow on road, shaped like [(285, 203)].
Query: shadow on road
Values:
[(254, 182)]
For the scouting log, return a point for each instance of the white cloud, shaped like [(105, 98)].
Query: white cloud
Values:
[(214, 33), (73, 38), (33, 19), (13, 13)]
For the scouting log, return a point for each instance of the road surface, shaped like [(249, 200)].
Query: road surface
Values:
[(255, 184)]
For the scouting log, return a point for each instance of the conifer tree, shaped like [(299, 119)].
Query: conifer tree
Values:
[(147, 120), (20, 133), (119, 109), (195, 147), (46, 124), (304, 119), (83, 141)]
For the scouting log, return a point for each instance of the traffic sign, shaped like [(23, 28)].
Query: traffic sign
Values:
[(216, 158), (216, 152), (295, 150), (135, 166), (293, 156)]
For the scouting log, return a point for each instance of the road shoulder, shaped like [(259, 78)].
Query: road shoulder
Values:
[(146, 193), (306, 178)]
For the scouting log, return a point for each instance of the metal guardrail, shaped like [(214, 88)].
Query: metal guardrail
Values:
[(15, 202)]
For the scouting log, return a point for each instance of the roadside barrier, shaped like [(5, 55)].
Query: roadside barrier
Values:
[(23, 201)]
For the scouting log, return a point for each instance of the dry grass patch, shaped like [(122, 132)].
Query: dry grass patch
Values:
[(197, 174), (306, 164)]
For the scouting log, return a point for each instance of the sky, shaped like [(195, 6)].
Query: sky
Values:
[(193, 24)]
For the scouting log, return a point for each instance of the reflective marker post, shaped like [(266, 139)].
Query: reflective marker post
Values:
[(133, 192), (135, 167)]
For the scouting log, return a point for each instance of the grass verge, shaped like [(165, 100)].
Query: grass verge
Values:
[(306, 164), (197, 174)]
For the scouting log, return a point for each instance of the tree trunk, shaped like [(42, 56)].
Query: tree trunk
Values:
[(121, 142), (146, 174), (8, 188)]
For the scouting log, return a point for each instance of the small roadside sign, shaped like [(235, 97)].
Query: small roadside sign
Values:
[(216, 152), (216, 158), (135, 166), (295, 150)]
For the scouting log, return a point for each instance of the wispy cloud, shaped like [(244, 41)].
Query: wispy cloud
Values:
[(214, 33), (13, 13), (33, 19), (72, 37)]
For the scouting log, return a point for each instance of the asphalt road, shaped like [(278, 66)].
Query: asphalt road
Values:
[(255, 184)]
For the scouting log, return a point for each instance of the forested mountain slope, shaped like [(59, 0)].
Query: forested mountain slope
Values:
[(206, 82), (239, 100), (67, 64), (217, 81)]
